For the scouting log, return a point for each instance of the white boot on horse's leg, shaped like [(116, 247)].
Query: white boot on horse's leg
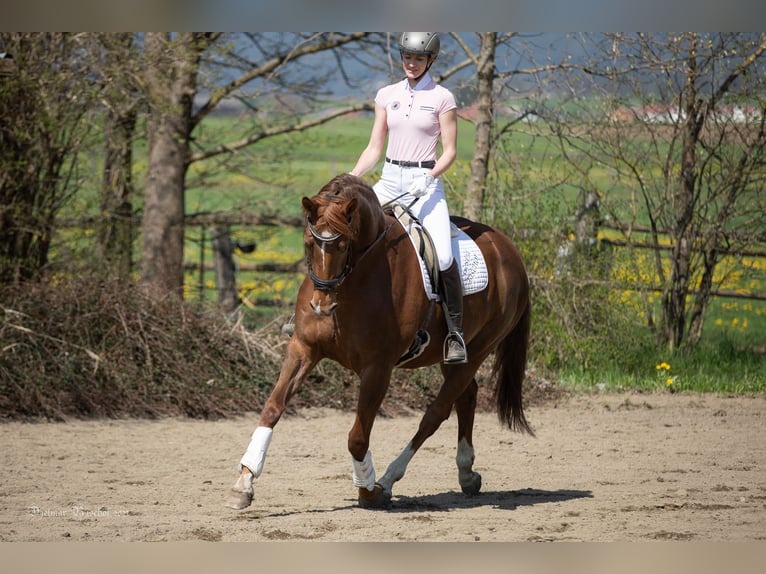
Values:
[(250, 467), (364, 472), (371, 494)]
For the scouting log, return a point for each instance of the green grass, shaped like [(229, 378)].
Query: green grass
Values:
[(718, 365)]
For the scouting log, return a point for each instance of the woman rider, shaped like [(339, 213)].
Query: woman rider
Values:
[(414, 114)]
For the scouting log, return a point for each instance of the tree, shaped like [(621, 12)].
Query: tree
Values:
[(673, 135), (491, 81), (173, 69), (122, 102), (44, 120), (171, 83), (485, 76)]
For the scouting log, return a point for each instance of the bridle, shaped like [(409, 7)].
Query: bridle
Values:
[(333, 284)]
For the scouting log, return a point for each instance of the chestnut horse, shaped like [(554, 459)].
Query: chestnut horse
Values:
[(362, 305)]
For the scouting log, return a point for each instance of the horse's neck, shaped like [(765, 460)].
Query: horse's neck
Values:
[(374, 223)]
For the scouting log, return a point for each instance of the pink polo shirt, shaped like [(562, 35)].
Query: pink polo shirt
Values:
[(413, 117)]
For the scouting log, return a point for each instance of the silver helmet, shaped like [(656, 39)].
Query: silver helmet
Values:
[(420, 43)]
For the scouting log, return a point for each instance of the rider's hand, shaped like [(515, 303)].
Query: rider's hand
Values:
[(420, 185)]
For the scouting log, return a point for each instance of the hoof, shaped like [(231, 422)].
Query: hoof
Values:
[(473, 486), (241, 494), (378, 498), (239, 500)]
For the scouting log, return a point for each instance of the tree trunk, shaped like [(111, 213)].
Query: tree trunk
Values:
[(674, 303), (116, 222), (485, 73), (171, 83), (121, 99)]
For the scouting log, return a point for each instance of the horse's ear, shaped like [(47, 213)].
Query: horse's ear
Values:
[(350, 207), (308, 205)]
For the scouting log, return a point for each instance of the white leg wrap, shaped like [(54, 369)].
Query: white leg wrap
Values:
[(364, 473), (256, 451)]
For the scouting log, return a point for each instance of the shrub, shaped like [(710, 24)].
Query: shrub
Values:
[(87, 348)]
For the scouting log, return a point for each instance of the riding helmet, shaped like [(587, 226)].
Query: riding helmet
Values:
[(420, 43)]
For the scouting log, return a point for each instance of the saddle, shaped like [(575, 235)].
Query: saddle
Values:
[(473, 269), (422, 242), (424, 246)]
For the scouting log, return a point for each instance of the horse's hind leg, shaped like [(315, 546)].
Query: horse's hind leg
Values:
[(438, 411), (465, 407)]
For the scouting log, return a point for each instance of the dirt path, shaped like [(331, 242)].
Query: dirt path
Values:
[(602, 468)]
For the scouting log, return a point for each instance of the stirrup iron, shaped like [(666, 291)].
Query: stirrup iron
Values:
[(453, 358)]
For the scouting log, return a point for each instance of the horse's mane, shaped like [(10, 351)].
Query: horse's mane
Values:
[(335, 195)]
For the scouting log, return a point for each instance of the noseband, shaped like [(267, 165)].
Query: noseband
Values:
[(332, 284)]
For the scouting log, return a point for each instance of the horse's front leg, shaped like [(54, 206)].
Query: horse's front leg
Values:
[(298, 362), (372, 390)]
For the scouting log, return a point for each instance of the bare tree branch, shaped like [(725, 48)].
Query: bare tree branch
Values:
[(278, 130)]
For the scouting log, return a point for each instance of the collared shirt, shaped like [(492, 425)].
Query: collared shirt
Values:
[(413, 117)]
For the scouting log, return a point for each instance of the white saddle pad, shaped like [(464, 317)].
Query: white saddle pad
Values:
[(470, 261)]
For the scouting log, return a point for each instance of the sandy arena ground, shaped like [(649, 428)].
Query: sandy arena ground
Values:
[(602, 468)]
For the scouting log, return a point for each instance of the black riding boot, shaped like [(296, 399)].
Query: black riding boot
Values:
[(452, 297)]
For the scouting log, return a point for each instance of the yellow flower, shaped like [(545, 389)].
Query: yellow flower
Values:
[(669, 381)]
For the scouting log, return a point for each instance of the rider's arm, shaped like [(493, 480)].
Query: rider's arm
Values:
[(371, 153), (448, 126)]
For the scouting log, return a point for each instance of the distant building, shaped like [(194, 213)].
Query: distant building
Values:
[(671, 114)]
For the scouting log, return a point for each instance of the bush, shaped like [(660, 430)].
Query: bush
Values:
[(577, 323), (86, 348)]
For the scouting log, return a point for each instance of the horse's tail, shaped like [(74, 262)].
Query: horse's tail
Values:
[(508, 372)]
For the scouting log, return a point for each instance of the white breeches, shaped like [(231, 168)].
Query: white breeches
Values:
[(431, 209)]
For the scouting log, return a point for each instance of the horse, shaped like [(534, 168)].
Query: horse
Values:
[(362, 304)]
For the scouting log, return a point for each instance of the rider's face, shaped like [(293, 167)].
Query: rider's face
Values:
[(414, 64)]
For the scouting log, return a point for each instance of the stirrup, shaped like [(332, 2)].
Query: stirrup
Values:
[(452, 354)]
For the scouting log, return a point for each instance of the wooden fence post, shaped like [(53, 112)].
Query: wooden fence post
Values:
[(587, 219), (225, 276)]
